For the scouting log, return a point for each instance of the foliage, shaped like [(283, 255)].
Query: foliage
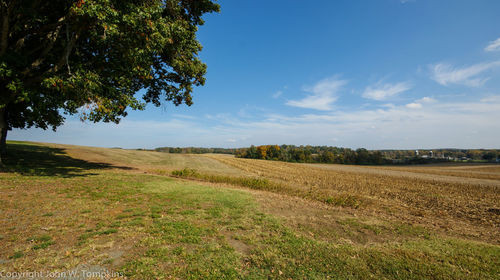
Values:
[(338, 155), (93, 56), (318, 154), (195, 150), (361, 156)]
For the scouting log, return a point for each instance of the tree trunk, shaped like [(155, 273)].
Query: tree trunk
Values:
[(3, 141), (3, 134)]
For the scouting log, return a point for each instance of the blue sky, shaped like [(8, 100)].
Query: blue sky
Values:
[(378, 74)]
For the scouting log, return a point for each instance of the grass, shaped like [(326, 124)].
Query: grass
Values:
[(148, 226), (17, 255), (41, 242)]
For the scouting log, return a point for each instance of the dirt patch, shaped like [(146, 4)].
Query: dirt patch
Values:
[(238, 245)]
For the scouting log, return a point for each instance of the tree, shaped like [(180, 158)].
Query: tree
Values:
[(252, 152), (362, 156), (273, 152), (490, 155), (327, 157), (262, 152), (90, 57)]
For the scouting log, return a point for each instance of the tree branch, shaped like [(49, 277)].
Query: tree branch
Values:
[(52, 38), (4, 38), (61, 62), (65, 56), (46, 28), (5, 30)]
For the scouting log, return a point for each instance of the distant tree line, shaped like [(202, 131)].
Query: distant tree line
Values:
[(313, 154), (195, 150), (361, 156), (447, 154)]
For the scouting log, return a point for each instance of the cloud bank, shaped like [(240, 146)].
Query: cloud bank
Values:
[(419, 124)]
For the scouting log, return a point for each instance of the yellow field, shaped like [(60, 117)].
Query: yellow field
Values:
[(455, 204)]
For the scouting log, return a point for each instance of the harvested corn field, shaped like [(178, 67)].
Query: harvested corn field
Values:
[(463, 206)]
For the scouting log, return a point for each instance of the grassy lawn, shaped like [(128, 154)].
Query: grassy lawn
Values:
[(60, 213)]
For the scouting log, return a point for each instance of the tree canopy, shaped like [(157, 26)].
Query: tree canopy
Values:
[(92, 56)]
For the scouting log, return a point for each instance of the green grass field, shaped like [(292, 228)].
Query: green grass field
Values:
[(65, 207)]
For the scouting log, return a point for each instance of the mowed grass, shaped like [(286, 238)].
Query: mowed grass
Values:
[(148, 226)]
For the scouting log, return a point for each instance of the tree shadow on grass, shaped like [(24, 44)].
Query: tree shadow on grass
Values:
[(35, 160)]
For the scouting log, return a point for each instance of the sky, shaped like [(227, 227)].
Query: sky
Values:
[(377, 74)]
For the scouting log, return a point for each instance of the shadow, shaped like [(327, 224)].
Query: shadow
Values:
[(35, 160)]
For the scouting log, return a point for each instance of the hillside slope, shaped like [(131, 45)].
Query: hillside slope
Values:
[(69, 209)]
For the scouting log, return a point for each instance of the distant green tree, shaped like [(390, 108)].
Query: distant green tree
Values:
[(349, 156), (252, 152), (327, 157), (273, 152), (298, 155), (362, 156), (490, 155), (60, 56), (376, 157)]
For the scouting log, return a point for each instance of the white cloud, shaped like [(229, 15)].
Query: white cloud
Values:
[(418, 103), (426, 99), (323, 95), (445, 125), (388, 105), (493, 46), (446, 74), (181, 116), (380, 91), (277, 94), (492, 98), (414, 105), (455, 124)]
